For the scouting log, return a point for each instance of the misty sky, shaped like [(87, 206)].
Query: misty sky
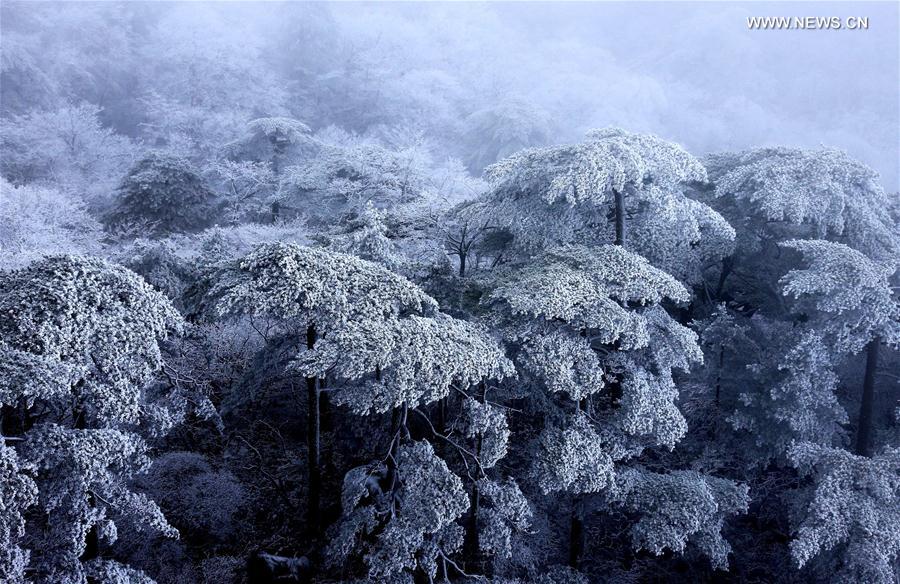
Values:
[(691, 72)]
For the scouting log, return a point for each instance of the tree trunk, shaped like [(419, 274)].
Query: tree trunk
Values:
[(472, 540), (620, 217), (442, 415), (576, 521), (462, 265), (312, 443), (398, 423), (727, 264), (92, 539), (276, 211), (719, 374), (576, 533), (864, 430), (472, 543)]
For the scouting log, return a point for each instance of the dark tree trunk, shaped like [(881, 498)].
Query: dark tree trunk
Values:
[(442, 415), (576, 533), (462, 265), (727, 265), (576, 520), (719, 375), (398, 428), (313, 420), (276, 169), (620, 217), (864, 430), (92, 539), (472, 540), (276, 210), (472, 543)]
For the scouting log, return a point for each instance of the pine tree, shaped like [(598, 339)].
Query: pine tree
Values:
[(851, 523), (81, 341), (401, 365), (790, 395), (366, 237), (597, 191), (826, 190), (275, 141), (680, 507), (162, 194), (852, 303), (771, 195), (589, 329), (343, 178), (324, 291), (18, 492)]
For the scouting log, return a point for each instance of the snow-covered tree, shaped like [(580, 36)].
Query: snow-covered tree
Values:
[(413, 360), (589, 323), (66, 148), (84, 494), (772, 195), (507, 512), (678, 508), (851, 522), (80, 343), (470, 231), (274, 141), (845, 294), (37, 221), (790, 395), (160, 195), (381, 345), (190, 131), (77, 314), (317, 286), (593, 192), (402, 365), (160, 264), (323, 291), (835, 196), (246, 186), (853, 304), (366, 236), (18, 493), (727, 347), (345, 176), (412, 507), (502, 129), (590, 330)]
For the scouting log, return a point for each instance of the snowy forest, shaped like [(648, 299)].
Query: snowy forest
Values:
[(407, 294)]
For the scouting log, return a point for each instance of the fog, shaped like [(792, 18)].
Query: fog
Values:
[(511, 293), (689, 72)]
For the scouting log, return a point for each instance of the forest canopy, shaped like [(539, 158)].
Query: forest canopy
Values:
[(303, 292)]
